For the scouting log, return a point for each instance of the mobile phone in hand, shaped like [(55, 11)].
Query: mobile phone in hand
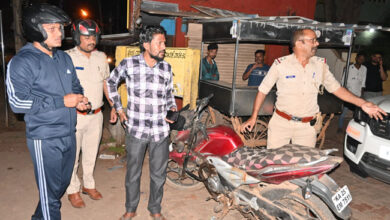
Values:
[(172, 115)]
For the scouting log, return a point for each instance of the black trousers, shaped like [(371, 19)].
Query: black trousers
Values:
[(158, 161)]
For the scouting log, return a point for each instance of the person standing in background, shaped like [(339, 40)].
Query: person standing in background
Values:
[(376, 74), (256, 71), (209, 66), (355, 84)]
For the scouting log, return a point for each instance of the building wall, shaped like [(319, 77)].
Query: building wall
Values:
[(304, 8)]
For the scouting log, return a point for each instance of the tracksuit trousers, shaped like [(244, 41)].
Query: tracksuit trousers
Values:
[(158, 162), (53, 161)]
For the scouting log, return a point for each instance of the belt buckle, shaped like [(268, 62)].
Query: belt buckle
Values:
[(89, 112), (296, 118)]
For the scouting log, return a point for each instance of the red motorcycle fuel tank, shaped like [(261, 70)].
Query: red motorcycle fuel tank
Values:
[(222, 140)]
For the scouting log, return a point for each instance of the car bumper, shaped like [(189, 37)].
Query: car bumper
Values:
[(362, 148), (375, 167)]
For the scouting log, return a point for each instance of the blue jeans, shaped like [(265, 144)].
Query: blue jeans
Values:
[(341, 118)]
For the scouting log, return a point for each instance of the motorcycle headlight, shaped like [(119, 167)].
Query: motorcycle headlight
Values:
[(361, 117)]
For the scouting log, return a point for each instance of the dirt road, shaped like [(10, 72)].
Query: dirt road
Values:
[(19, 194)]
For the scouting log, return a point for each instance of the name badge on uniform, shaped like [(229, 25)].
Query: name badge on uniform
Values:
[(290, 76), (79, 68)]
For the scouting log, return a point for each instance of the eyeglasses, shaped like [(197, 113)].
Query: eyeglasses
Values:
[(312, 40)]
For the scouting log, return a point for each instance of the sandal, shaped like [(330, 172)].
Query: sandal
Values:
[(157, 216), (128, 218)]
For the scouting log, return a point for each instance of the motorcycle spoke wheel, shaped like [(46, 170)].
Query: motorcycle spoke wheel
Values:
[(176, 180)]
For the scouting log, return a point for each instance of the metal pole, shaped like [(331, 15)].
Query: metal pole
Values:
[(200, 66), (232, 110), (348, 60), (3, 65)]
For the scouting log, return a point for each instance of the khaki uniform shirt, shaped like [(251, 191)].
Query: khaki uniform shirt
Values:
[(91, 73), (297, 86)]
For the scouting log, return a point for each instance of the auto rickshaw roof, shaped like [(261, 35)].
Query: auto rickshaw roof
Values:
[(278, 30)]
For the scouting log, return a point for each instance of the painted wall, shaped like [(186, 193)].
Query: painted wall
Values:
[(304, 8)]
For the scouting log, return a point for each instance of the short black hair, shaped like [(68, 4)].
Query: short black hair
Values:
[(260, 51), (212, 46), (360, 54), (377, 52), (297, 35), (147, 33)]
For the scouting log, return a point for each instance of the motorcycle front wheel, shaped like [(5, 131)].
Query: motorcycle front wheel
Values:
[(312, 208), (175, 180)]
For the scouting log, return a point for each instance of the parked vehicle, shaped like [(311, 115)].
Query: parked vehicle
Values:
[(367, 143), (285, 183)]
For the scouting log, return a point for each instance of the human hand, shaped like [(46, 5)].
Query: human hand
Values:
[(170, 121), (72, 100), (373, 110), (84, 105), (248, 125), (122, 115), (113, 116)]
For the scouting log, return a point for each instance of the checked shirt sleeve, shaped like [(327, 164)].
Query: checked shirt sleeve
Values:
[(169, 88), (116, 76)]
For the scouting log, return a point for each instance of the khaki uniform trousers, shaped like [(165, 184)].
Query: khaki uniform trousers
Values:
[(281, 131), (88, 135)]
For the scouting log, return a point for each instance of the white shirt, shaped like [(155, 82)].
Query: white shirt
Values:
[(356, 79)]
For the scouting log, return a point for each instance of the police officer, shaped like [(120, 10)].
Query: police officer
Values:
[(92, 70), (298, 77), (42, 84)]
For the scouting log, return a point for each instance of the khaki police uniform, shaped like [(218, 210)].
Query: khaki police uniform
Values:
[(297, 90), (91, 73)]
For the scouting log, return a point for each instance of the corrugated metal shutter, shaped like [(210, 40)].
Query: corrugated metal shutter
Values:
[(225, 57)]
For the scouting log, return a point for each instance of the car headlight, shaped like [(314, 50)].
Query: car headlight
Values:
[(361, 117)]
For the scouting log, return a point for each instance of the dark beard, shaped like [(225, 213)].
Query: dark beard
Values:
[(157, 58)]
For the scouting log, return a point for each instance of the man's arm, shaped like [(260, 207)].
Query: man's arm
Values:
[(267, 84), (248, 71), (171, 104), (382, 71), (22, 100), (370, 108), (112, 82), (259, 100)]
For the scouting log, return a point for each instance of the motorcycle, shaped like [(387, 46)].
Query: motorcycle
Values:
[(285, 183)]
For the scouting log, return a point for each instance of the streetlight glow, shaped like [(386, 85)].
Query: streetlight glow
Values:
[(84, 13)]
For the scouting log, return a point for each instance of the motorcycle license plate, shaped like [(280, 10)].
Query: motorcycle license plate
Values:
[(342, 198)]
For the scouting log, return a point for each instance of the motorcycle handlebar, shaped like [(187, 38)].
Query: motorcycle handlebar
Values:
[(203, 102)]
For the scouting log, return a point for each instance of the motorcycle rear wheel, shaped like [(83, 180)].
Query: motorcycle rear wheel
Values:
[(175, 180), (312, 208)]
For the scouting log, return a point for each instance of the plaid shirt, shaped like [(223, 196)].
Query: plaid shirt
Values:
[(150, 96)]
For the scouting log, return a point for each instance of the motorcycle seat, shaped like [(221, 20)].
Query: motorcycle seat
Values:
[(254, 158)]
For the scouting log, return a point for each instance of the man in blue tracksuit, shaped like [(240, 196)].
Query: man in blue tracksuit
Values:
[(42, 84)]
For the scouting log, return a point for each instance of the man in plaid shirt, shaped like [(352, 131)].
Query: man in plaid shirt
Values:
[(150, 96)]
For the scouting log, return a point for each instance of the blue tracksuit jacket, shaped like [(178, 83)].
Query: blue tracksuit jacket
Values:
[(36, 86)]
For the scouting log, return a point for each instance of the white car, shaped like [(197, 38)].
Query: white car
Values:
[(367, 143)]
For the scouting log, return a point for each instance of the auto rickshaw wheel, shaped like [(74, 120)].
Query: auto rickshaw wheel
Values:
[(212, 117), (255, 138)]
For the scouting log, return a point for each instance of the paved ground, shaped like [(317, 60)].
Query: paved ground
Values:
[(19, 194)]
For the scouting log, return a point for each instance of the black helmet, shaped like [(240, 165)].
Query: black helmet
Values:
[(85, 27), (36, 15)]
